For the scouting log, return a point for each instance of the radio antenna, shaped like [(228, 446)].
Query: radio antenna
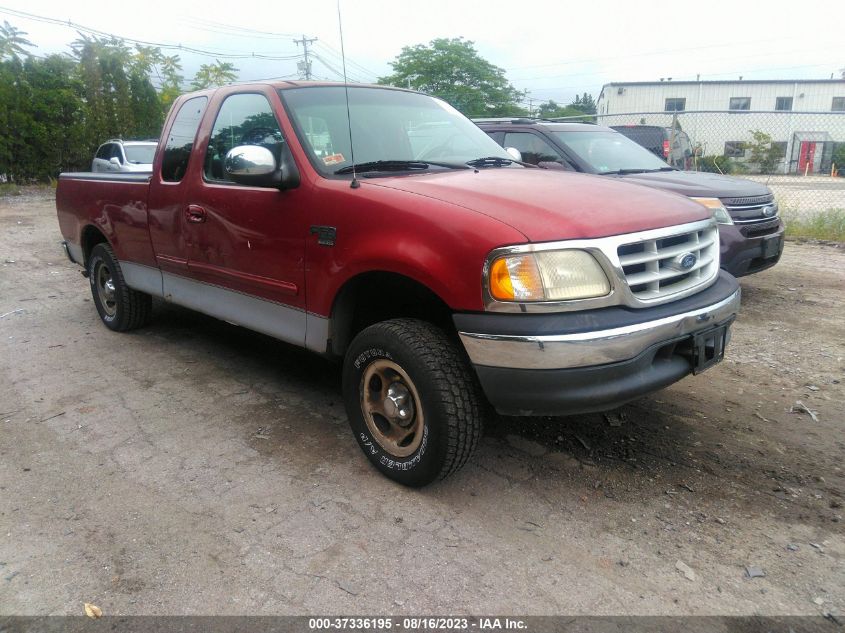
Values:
[(355, 184)]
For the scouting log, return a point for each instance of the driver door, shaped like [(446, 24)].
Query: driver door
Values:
[(246, 239)]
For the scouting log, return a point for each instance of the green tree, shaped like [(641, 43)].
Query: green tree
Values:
[(214, 75), (763, 153), (584, 103), (453, 70), (551, 109), (171, 80), (41, 118), (12, 42)]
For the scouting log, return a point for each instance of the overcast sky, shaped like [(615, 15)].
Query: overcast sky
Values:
[(551, 49)]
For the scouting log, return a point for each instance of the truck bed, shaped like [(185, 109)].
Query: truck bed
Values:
[(107, 201)]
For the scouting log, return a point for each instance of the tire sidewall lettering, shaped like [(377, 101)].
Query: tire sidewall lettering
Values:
[(373, 352), (371, 447)]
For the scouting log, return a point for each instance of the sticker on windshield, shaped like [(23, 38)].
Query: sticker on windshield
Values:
[(334, 159)]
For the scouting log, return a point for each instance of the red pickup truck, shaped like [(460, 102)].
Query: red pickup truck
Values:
[(445, 274)]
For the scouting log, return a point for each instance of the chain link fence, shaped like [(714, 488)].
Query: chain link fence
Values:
[(799, 155)]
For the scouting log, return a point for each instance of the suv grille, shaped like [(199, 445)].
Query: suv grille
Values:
[(655, 269), (751, 210)]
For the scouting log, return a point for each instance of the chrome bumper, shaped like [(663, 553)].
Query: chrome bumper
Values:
[(584, 349)]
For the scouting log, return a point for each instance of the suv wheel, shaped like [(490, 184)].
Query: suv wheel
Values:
[(412, 401)]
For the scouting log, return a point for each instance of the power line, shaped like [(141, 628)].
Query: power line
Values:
[(179, 47), (233, 28), (334, 52)]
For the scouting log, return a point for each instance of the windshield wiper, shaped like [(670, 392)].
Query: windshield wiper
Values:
[(623, 172), (498, 161), (395, 165), (490, 161)]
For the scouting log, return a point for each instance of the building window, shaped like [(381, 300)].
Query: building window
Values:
[(783, 103), (735, 149), (838, 104), (675, 105), (740, 103)]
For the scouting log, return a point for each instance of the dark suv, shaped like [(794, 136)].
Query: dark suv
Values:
[(750, 230)]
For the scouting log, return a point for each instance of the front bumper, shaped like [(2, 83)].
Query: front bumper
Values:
[(565, 363), (749, 248)]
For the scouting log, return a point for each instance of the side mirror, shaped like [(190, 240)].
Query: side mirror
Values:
[(515, 153), (255, 165), (114, 160)]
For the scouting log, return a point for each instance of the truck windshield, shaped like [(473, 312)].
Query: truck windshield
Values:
[(610, 152), (140, 154), (387, 125)]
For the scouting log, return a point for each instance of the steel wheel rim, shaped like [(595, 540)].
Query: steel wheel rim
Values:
[(106, 289), (391, 407)]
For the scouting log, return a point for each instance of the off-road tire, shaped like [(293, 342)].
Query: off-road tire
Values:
[(448, 394), (129, 309)]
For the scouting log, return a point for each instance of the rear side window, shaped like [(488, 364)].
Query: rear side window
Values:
[(180, 142), (244, 119)]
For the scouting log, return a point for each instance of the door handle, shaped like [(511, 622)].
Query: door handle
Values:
[(195, 214)]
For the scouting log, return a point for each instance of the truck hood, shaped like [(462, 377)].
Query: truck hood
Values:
[(546, 206), (697, 183)]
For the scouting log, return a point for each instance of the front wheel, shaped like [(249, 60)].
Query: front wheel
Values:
[(120, 307), (412, 401)]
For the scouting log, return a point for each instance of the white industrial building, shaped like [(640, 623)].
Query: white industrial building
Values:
[(805, 118)]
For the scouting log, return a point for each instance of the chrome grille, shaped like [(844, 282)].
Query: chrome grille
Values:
[(751, 210), (653, 268)]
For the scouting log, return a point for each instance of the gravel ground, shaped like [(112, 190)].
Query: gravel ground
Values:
[(193, 467)]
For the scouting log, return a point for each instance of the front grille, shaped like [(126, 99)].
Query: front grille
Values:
[(652, 267), (751, 210), (764, 227), (750, 200)]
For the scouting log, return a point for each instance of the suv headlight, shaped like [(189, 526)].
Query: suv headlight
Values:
[(547, 276), (720, 213)]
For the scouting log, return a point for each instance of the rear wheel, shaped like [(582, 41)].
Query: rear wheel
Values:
[(120, 307), (412, 401)]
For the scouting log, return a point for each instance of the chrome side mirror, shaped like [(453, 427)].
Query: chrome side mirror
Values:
[(255, 165), (514, 153), (249, 161)]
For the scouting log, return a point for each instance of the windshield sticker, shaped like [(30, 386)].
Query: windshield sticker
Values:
[(334, 159)]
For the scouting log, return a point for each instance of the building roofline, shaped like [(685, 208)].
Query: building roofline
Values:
[(732, 81)]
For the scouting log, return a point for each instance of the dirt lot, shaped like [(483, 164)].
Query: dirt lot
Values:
[(194, 467)]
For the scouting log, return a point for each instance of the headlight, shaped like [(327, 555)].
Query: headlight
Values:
[(547, 276), (720, 213)]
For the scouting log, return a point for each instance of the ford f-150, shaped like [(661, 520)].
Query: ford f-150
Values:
[(441, 271)]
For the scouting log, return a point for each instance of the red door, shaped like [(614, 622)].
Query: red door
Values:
[(806, 157)]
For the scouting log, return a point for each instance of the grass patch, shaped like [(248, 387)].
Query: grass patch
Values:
[(824, 225), (9, 189)]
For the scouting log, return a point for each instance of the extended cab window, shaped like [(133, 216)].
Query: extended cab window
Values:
[(180, 142), (244, 119)]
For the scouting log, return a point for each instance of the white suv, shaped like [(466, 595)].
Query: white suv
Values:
[(118, 155)]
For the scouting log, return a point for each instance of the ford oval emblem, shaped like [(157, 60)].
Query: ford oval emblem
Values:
[(685, 261), (768, 211)]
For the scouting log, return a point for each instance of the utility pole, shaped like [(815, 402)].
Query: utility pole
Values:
[(304, 66)]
